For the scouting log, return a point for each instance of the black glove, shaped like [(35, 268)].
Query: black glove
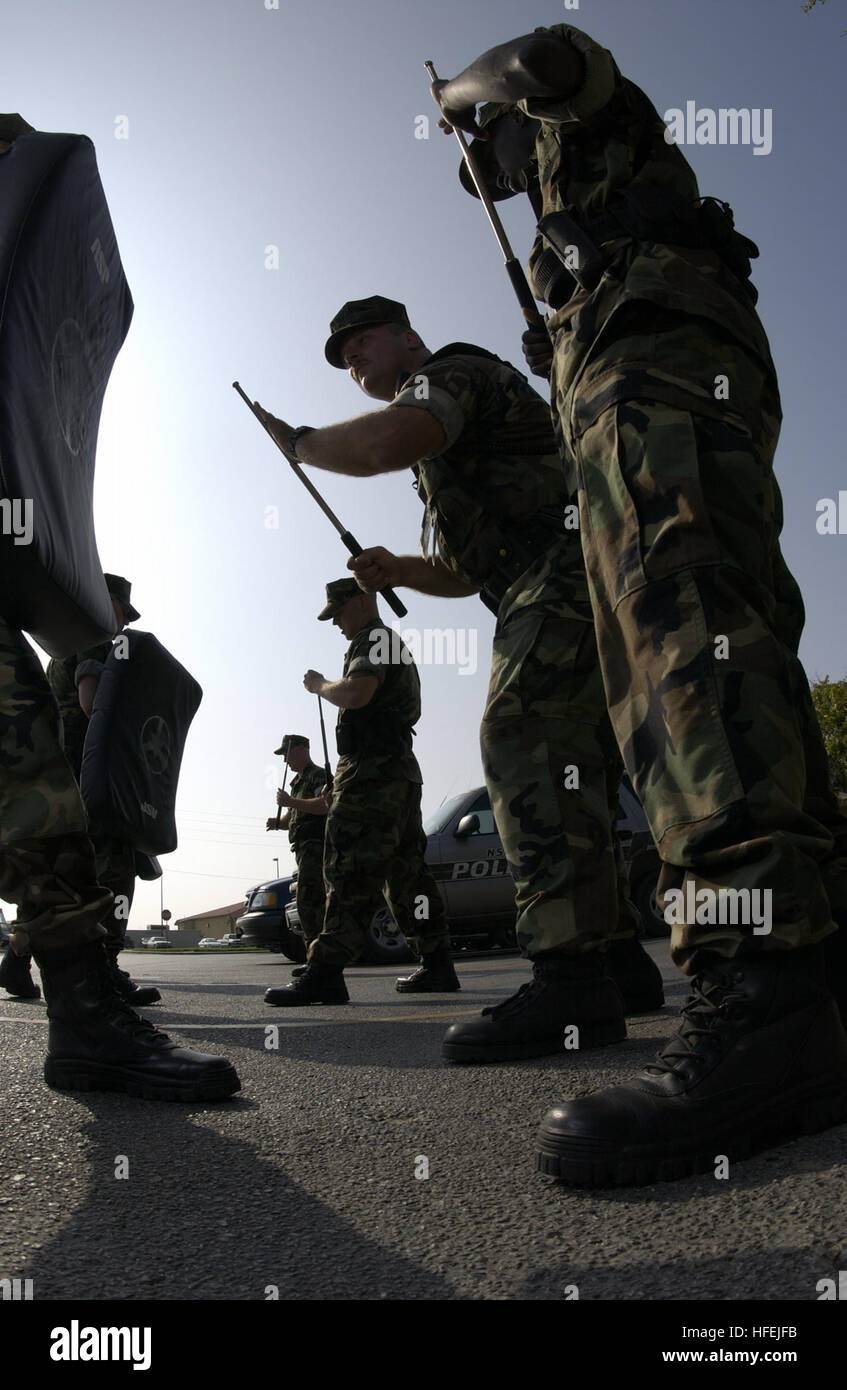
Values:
[(538, 351)]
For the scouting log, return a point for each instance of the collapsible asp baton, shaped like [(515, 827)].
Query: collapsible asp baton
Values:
[(279, 808), (347, 537), (323, 737), (513, 267)]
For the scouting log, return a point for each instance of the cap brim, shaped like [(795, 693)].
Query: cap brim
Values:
[(335, 342), (489, 169)]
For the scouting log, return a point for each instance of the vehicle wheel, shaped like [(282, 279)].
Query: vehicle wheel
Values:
[(292, 945), (643, 895), (385, 944)]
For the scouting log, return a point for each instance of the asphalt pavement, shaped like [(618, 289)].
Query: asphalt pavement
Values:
[(354, 1164)]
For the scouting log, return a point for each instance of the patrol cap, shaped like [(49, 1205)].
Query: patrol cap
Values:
[(484, 158), (12, 125), (361, 313), (120, 589), (290, 741), (339, 592)]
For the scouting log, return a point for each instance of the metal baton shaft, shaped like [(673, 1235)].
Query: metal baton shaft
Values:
[(279, 808), (513, 267), (323, 737), (347, 537)]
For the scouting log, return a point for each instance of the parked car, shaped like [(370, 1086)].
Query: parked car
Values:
[(233, 938), (210, 941), (156, 943), (263, 921), (466, 859)]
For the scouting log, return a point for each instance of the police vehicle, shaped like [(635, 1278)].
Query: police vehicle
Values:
[(465, 857)]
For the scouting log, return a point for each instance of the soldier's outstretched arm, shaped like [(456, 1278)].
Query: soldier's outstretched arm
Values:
[(380, 442), (374, 566), (535, 65)]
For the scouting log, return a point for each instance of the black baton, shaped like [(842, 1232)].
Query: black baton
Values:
[(347, 537)]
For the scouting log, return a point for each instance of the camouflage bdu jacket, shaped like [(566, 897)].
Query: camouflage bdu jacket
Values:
[(376, 742), (304, 826), (495, 494), (592, 146)]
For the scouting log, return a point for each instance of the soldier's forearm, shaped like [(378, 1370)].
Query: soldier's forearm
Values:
[(535, 65), (344, 694), (310, 805), (361, 448), (430, 577)]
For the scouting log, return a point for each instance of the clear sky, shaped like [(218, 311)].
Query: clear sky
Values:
[(228, 130)]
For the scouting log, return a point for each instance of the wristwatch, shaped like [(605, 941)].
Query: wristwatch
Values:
[(297, 434)]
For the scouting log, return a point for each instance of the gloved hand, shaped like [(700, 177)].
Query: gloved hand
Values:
[(538, 351)]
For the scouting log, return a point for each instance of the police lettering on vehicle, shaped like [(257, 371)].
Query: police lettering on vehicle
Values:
[(479, 868)]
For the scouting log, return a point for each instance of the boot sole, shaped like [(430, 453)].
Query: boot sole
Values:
[(600, 1035), (76, 1075), (585, 1164), (428, 989), (304, 1003)]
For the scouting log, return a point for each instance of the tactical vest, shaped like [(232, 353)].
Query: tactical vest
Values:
[(492, 551)]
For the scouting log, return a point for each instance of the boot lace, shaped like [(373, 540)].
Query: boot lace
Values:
[(713, 1003)]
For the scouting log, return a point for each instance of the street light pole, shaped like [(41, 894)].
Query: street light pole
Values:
[(276, 861)]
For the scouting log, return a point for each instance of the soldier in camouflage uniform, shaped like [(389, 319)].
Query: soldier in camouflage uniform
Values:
[(374, 836), (47, 867), (73, 681), (667, 411), (305, 820), (491, 481)]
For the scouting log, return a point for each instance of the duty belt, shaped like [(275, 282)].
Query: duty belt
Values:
[(644, 213), (519, 551)]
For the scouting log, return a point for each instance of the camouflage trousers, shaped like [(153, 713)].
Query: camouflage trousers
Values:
[(375, 842), (311, 890), (115, 865), (553, 771), (698, 620), (47, 864)]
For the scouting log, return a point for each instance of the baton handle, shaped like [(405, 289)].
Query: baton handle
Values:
[(352, 545), (389, 595)]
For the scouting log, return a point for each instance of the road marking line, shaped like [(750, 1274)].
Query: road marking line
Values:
[(276, 1021)]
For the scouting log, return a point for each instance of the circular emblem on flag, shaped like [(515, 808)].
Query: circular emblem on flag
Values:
[(156, 745)]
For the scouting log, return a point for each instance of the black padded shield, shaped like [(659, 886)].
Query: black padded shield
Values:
[(65, 309), (143, 709)]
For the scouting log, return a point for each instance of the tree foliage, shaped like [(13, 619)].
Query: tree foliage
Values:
[(830, 701)]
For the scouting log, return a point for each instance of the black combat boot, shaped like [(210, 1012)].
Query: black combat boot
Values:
[(98, 1043), (760, 1056), (135, 995), (636, 975), (298, 971), (435, 975), (15, 975), (569, 1004), (319, 984)]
